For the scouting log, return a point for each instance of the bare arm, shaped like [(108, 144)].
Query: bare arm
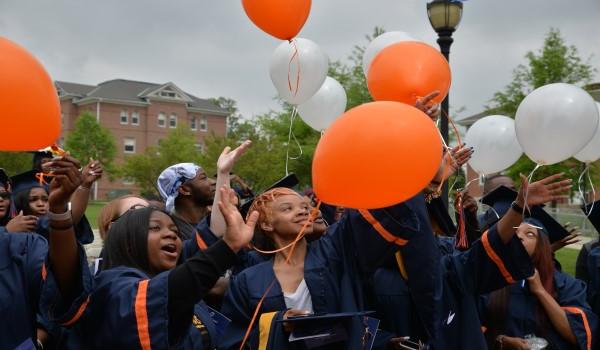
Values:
[(224, 165), (540, 192), (79, 200), (63, 251), (555, 313)]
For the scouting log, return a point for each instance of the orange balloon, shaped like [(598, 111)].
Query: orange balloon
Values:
[(376, 155), (281, 19), (408, 70), (29, 106)]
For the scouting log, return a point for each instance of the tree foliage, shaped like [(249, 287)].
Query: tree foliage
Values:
[(15, 162), (90, 140)]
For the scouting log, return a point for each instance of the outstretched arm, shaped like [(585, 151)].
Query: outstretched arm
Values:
[(537, 193), (225, 164), (79, 201)]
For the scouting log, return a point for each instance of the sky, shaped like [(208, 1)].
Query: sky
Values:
[(210, 48)]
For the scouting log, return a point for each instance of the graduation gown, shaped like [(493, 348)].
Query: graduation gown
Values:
[(588, 270), (122, 308), (488, 265), (333, 268), (571, 296), (21, 272)]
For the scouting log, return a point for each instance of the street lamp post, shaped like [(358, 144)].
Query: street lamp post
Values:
[(444, 16)]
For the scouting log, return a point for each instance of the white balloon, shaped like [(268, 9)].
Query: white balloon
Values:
[(555, 121), (298, 74), (591, 152), (380, 43), (325, 106), (495, 143)]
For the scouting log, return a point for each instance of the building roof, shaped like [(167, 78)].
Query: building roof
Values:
[(470, 119), (138, 92)]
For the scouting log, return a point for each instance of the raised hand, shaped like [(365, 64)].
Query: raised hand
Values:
[(424, 104), (237, 233), (572, 238), (543, 191), (91, 173), (67, 179), (22, 223), (228, 157)]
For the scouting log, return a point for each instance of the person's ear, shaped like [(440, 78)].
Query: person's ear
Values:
[(266, 227), (184, 190)]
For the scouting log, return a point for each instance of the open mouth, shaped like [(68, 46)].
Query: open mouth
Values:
[(170, 249)]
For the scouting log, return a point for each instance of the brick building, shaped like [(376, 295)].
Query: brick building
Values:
[(138, 114)]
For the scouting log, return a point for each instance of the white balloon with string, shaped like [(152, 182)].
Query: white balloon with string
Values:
[(381, 42), (495, 143), (324, 107), (591, 152), (298, 68), (555, 122)]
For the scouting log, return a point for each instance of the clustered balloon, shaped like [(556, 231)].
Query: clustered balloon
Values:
[(553, 123)]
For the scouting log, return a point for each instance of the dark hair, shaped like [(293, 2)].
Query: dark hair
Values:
[(500, 299), (127, 241), (22, 200)]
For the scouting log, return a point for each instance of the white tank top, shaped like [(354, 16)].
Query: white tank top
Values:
[(300, 299)]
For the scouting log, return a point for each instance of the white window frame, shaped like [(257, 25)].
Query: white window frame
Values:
[(203, 123), (125, 114), (172, 117), (135, 118), (161, 116), (129, 141), (199, 147), (194, 123)]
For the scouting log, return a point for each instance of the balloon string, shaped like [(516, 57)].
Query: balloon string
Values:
[(593, 193), (580, 182), (249, 329), (290, 135), (296, 56), (529, 179), (454, 128), (56, 151)]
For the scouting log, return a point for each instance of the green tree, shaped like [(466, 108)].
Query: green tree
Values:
[(230, 105), (90, 140), (554, 62), (178, 147), (15, 162)]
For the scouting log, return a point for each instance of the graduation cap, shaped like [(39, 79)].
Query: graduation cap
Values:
[(27, 180), (499, 201), (289, 181), (332, 330), (594, 215), (552, 228)]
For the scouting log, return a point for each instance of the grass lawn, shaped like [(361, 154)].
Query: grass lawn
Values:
[(92, 212), (567, 258)]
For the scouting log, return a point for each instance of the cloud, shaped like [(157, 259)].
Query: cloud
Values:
[(210, 48)]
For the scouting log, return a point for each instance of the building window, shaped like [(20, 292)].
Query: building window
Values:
[(128, 145), (124, 117), (200, 147), (173, 121), (135, 118), (162, 120), (193, 124), (62, 120), (168, 93), (203, 124)]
